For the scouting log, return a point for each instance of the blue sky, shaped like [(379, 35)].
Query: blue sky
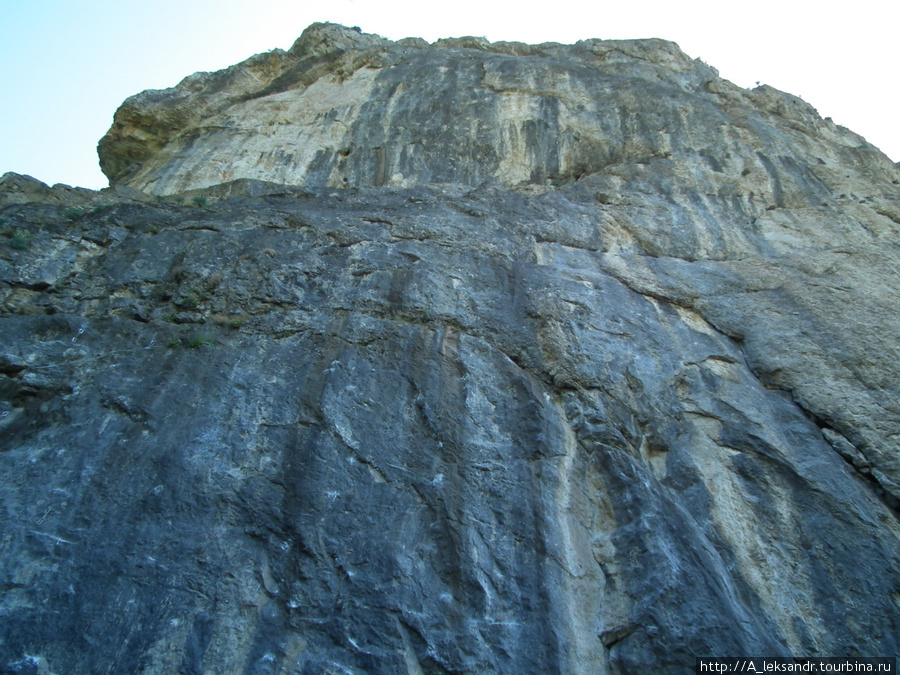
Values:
[(66, 66)]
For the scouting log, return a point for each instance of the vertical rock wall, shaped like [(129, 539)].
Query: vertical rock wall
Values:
[(617, 387)]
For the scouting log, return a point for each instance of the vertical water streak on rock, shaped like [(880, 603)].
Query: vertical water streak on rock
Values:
[(581, 588)]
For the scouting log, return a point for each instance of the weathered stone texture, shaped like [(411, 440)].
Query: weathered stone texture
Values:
[(591, 369), (343, 109)]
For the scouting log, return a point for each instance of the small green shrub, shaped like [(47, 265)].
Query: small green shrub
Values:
[(199, 340), (199, 202), (100, 208), (20, 240), (564, 180), (73, 212)]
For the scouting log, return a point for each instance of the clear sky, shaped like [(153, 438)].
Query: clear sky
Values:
[(66, 66)]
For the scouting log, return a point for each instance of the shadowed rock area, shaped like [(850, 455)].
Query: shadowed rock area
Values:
[(456, 358)]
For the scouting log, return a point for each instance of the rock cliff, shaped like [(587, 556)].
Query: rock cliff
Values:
[(452, 358)]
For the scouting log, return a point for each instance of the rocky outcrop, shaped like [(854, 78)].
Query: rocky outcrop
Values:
[(591, 368), (344, 109)]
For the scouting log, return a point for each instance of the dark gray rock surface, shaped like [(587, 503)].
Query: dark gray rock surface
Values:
[(603, 425)]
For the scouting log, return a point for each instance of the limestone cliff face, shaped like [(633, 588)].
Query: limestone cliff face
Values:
[(592, 368), (344, 109)]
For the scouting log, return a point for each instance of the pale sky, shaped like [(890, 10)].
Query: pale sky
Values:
[(66, 66)]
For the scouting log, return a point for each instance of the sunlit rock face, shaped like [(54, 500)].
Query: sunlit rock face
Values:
[(452, 358), (344, 109)]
